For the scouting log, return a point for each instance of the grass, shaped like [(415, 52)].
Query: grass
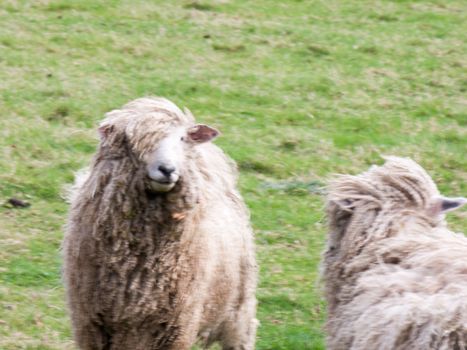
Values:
[(300, 90)]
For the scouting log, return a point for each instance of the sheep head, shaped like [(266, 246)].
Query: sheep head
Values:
[(382, 201), (158, 136), (165, 164)]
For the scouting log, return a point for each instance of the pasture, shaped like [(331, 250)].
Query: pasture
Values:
[(299, 89)]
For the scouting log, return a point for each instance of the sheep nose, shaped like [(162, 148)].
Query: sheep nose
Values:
[(167, 170)]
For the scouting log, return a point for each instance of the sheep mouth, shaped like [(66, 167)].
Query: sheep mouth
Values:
[(160, 185)]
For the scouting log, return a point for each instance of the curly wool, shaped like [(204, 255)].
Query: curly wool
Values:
[(395, 276), (158, 271)]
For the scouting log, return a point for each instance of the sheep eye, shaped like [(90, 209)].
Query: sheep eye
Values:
[(182, 138)]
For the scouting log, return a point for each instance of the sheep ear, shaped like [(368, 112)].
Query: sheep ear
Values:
[(449, 204), (443, 205), (104, 131), (344, 204), (202, 133)]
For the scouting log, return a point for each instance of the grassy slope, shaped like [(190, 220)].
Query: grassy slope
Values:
[(300, 89)]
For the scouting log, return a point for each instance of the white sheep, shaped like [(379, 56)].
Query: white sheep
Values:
[(158, 251), (395, 276)]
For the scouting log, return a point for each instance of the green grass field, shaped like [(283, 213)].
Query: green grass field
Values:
[(299, 89)]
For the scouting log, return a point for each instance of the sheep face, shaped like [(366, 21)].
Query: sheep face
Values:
[(165, 163), (157, 135), (381, 202)]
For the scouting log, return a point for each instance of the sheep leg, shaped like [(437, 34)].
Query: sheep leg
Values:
[(240, 332), (241, 338), (188, 326), (184, 341), (92, 337)]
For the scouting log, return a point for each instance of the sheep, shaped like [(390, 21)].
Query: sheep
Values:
[(395, 277), (158, 250)]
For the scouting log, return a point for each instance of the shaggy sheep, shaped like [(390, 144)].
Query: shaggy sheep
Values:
[(159, 251), (395, 276)]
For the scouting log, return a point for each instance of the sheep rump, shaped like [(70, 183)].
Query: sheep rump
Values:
[(148, 270), (395, 276)]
